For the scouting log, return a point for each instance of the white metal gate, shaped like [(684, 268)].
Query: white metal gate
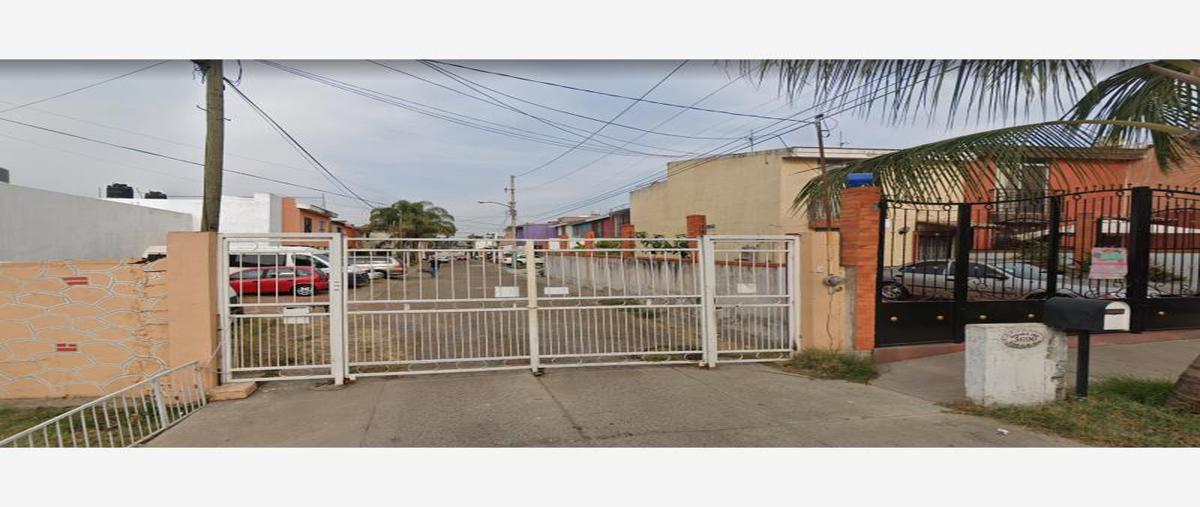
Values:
[(416, 306), (281, 306)]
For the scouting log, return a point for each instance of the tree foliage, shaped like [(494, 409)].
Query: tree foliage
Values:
[(412, 219)]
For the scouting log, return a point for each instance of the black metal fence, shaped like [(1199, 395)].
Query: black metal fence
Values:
[(945, 265)]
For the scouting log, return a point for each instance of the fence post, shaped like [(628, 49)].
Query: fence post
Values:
[(708, 271), (337, 340), (160, 403), (962, 264), (1055, 229), (531, 290), (1137, 279)]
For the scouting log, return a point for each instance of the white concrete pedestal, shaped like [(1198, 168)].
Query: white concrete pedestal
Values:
[(1015, 364)]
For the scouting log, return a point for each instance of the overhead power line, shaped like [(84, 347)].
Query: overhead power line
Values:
[(308, 156), (82, 88), (664, 122), (614, 118), (467, 120), (614, 95), (709, 158), (171, 157), (477, 86)]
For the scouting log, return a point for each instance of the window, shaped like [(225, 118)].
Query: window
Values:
[(285, 273), (303, 260), (981, 271), (927, 267), (256, 260), (249, 274), (307, 224)]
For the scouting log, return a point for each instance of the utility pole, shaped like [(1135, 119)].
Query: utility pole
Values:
[(214, 144), (512, 206), (751, 140)]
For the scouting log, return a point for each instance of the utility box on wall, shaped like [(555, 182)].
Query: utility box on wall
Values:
[(1015, 364)]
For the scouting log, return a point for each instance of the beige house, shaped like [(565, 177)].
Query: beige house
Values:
[(751, 193)]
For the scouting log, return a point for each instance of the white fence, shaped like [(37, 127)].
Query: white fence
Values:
[(437, 305), (125, 418)]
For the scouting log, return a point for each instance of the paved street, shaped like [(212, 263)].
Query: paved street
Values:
[(732, 405)]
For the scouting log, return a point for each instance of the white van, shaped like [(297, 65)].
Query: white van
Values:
[(254, 255), (251, 255)]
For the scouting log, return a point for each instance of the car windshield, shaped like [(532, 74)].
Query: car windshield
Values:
[(1023, 270), (323, 259)]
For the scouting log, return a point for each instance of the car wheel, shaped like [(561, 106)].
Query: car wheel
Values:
[(305, 290), (892, 291)]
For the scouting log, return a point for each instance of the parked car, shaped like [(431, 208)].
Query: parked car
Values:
[(444, 257), (1008, 280), (301, 281), (253, 256), (378, 266)]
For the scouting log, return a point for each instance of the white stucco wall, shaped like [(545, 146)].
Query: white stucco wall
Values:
[(262, 212), (39, 224)]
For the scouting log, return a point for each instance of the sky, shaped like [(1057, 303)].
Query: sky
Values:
[(383, 152)]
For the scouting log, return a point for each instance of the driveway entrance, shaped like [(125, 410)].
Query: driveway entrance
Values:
[(684, 406)]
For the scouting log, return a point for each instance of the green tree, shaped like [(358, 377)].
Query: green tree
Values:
[(412, 219), (1156, 102)]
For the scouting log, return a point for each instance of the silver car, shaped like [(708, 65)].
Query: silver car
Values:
[(1005, 280)]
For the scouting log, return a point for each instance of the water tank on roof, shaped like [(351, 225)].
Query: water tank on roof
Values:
[(154, 194), (3, 175), (119, 191)]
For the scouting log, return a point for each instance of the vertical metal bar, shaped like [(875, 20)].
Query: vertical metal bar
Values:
[(709, 300), (1053, 246), (792, 272), (160, 403), (1083, 360), (532, 298), (962, 261), (337, 309), (1138, 277), (226, 321)]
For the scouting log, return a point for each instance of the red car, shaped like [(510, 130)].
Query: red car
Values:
[(302, 281)]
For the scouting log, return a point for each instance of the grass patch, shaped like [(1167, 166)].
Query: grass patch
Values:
[(14, 420), (1119, 412), (829, 364)]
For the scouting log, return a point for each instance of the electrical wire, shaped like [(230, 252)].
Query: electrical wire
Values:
[(614, 95), (82, 88), (467, 120), (294, 142), (614, 118)]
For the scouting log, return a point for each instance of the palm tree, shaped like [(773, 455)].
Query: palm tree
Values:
[(409, 219), (1156, 102)]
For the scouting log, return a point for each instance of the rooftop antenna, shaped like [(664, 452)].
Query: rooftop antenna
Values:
[(841, 140)]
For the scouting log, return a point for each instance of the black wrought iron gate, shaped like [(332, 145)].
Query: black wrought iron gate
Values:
[(944, 265)]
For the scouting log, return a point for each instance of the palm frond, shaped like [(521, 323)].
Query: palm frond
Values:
[(983, 89), (1164, 92), (950, 169)]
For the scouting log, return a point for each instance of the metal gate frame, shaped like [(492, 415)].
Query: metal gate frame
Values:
[(784, 323), (335, 312)]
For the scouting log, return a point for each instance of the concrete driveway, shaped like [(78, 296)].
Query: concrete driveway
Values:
[(730, 406)]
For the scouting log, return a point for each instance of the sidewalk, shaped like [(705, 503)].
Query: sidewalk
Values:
[(736, 405), (940, 378)]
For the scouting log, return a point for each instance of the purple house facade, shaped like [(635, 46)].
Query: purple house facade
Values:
[(537, 232)]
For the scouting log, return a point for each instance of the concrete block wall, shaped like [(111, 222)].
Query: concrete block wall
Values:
[(80, 327)]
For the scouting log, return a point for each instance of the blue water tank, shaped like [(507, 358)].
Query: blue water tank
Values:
[(860, 180)]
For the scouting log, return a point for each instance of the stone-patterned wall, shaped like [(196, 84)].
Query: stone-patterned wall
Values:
[(80, 327)]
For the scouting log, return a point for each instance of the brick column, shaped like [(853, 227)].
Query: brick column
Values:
[(628, 233), (859, 247)]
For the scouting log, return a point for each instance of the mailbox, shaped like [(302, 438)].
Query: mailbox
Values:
[(1078, 314)]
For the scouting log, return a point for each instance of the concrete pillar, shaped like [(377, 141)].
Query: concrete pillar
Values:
[(859, 249), (589, 243), (1015, 364), (192, 311)]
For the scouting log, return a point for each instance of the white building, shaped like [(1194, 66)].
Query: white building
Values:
[(39, 224), (262, 212)]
